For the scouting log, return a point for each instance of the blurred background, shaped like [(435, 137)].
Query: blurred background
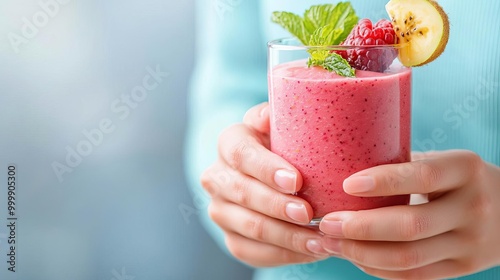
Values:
[(93, 115)]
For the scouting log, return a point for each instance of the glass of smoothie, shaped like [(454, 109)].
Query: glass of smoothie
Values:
[(330, 127)]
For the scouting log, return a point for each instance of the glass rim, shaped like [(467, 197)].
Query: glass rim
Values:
[(280, 44)]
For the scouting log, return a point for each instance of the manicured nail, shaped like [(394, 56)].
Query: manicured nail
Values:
[(286, 180), (314, 245), (297, 212), (331, 227), (332, 246), (359, 184)]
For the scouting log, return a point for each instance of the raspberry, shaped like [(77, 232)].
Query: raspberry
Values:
[(365, 34)]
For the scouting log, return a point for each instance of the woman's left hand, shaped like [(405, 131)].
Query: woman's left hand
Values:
[(457, 232)]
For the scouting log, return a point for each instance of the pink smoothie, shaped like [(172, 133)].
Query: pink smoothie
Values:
[(330, 127)]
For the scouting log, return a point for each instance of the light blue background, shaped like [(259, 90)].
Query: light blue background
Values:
[(117, 213)]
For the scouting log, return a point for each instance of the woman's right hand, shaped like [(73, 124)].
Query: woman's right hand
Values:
[(251, 190)]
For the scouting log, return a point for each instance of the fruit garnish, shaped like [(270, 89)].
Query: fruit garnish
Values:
[(321, 26), (423, 26), (367, 34)]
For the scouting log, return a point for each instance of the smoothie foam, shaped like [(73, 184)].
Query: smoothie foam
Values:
[(330, 127)]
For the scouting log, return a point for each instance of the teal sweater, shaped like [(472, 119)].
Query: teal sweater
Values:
[(456, 99)]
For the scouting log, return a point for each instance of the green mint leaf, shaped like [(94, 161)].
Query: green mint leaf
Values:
[(319, 54), (314, 62), (321, 26), (323, 36), (335, 63), (294, 24), (318, 16), (346, 20), (341, 17)]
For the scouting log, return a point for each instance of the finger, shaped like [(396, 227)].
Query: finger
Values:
[(230, 185), (259, 254), (258, 118), (445, 269), (242, 151), (399, 223), (442, 172), (261, 228), (397, 256)]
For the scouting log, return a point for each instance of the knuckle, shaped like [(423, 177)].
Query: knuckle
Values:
[(481, 206), (229, 132), (214, 213), (288, 257), (235, 248), (237, 155), (428, 176), (212, 181), (475, 162), (407, 258), (225, 135), (294, 241), (252, 114), (405, 171), (469, 265), (207, 182), (354, 251), (474, 266), (235, 152), (358, 228), (476, 238), (473, 158), (241, 192), (413, 226), (392, 182), (276, 207), (263, 170), (255, 227)]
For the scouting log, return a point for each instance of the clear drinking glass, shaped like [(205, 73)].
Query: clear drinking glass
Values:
[(330, 127)]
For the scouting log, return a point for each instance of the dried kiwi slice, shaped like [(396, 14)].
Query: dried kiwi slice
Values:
[(422, 26)]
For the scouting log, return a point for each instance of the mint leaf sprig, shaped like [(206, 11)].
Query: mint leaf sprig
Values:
[(321, 26), (334, 62)]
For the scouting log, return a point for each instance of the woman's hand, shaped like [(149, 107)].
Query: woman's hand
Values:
[(251, 196), (456, 233)]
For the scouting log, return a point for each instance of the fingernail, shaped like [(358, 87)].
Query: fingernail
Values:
[(264, 111), (315, 247), (332, 246), (297, 212), (331, 227), (286, 180), (359, 184)]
